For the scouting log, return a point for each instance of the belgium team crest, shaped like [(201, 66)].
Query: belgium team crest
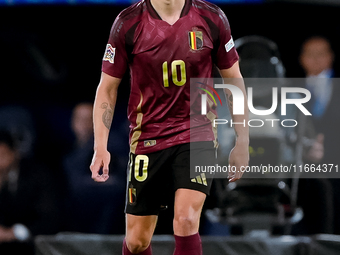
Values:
[(195, 40)]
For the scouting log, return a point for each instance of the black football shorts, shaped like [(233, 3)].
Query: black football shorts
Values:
[(153, 178)]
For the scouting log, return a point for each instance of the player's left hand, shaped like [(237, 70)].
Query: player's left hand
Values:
[(239, 157)]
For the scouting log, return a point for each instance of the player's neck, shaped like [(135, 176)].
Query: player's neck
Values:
[(168, 10)]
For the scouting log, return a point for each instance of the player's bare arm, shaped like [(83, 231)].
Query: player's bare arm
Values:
[(103, 110), (239, 156)]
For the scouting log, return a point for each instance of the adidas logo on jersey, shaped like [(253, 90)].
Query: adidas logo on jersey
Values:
[(148, 143), (201, 179)]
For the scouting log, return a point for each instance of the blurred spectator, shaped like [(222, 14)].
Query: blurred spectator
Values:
[(28, 199), (317, 59), (19, 122), (92, 207), (320, 197), (82, 124)]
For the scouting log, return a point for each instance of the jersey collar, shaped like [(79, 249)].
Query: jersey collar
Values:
[(155, 15)]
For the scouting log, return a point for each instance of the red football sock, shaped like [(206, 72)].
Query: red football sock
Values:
[(188, 245), (126, 251)]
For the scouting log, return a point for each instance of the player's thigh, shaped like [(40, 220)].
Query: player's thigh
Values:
[(139, 229), (189, 203), (188, 208), (191, 188)]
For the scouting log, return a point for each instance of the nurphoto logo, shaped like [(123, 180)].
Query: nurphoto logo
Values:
[(239, 104)]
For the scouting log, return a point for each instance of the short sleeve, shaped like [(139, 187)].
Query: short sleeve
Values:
[(226, 54), (115, 57)]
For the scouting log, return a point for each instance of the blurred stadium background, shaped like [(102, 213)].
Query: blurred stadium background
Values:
[(50, 56)]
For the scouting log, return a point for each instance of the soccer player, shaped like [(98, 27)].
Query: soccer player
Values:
[(164, 43)]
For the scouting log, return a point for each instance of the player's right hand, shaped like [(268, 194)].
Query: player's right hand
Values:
[(100, 161)]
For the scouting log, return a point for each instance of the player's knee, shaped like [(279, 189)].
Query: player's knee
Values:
[(185, 222), (137, 245)]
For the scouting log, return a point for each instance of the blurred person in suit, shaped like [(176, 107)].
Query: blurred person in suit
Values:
[(87, 199), (29, 202), (317, 60), (320, 197)]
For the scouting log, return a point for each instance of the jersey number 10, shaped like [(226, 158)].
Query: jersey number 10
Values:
[(174, 73)]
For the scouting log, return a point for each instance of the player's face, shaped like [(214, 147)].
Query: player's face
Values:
[(316, 56)]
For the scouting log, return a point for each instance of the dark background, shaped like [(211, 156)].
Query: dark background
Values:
[(50, 60), (72, 39), (50, 55)]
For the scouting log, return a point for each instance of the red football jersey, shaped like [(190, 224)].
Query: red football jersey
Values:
[(162, 58)]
